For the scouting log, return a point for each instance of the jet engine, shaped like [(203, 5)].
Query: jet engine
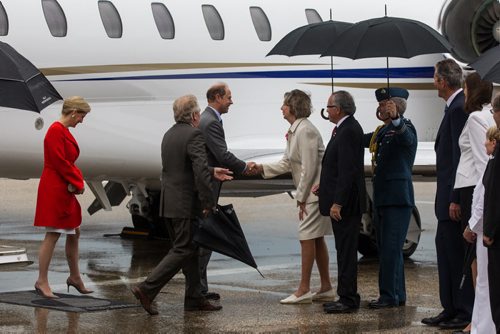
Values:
[(471, 26)]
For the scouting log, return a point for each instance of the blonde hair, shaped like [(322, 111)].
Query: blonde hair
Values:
[(75, 103), (493, 133), (184, 108)]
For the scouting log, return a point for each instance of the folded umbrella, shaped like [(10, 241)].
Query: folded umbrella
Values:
[(221, 232)]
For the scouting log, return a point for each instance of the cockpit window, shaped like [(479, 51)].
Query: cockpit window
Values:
[(313, 16), (4, 21), (55, 18), (213, 21), (110, 19), (261, 23), (164, 21)]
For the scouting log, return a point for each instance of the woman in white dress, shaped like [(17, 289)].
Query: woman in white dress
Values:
[(482, 321), (304, 151)]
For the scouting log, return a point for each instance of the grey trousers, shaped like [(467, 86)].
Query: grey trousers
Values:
[(183, 255)]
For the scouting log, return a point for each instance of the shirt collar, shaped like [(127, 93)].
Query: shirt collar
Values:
[(452, 97), (219, 117), (295, 124), (341, 120)]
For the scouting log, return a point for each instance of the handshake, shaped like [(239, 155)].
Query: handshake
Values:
[(253, 169)]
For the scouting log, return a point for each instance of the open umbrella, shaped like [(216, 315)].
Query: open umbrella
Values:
[(488, 65), (22, 86), (221, 232), (311, 39), (388, 37)]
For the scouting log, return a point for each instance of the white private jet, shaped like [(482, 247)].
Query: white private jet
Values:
[(131, 59)]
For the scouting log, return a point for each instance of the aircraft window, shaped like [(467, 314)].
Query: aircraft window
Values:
[(110, 19), (313, 16), (261, 23), (164, 21), (4, 21), (55, 18), (213, 21)]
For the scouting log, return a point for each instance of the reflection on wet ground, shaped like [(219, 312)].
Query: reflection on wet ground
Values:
[(251, 303)]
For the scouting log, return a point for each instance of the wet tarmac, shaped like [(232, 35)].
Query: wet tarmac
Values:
[(251, 303)]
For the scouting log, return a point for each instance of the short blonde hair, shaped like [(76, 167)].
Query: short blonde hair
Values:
[(493, 133), (75, 103), (299, 103), (184, 108)]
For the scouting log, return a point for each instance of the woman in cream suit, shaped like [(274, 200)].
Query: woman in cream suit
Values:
[(304, 151), (482, 321)]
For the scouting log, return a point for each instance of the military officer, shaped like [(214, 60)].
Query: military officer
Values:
[(393, 146)]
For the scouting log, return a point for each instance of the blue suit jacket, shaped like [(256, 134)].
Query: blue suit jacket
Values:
[(448, 156), (342, 178), (395, 154)]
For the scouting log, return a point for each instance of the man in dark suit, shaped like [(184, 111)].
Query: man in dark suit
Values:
[(342, 196), (393, 147), (450, 247), (491, 220), (185, 194), (219, 100)]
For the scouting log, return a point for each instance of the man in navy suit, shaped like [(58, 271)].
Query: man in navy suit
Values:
[(342, 196), (450, 247), (393, 146)]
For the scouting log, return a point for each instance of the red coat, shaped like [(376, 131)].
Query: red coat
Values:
[(56, 206)]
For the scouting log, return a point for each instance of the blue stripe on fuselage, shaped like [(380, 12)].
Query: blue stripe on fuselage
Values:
[(367, 73)]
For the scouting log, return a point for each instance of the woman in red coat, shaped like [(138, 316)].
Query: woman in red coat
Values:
[(57, 208)]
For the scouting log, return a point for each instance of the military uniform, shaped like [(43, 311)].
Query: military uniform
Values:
[(393, 146)]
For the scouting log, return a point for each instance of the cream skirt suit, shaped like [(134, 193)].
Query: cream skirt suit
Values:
[(304, 151)]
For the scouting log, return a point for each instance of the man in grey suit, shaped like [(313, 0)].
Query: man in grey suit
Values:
[(219, 99), (185, 194)]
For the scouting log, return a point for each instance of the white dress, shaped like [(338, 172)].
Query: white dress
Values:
[(482, 322)]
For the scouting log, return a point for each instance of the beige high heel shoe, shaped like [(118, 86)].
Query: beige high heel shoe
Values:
[(80, 288)]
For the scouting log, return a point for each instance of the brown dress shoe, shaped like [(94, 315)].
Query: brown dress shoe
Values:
[(203, 306), (144, 300)]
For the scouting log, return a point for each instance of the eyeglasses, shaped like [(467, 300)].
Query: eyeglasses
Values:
[(331, 106)]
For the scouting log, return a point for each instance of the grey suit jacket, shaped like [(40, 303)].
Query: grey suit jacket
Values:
[(217, 152), (185, 178)]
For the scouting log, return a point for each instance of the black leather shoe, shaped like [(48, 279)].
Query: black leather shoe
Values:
[(329, 304), (435, 321), (212, 296), (144, 300), (402, 303), (204, 306), (338, 307), (453, 323), (378, 304)]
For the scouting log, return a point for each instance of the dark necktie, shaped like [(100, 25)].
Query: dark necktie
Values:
[(334, 132)]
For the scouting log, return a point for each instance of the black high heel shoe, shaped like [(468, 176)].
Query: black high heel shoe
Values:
[(41, 293), (82, 289)]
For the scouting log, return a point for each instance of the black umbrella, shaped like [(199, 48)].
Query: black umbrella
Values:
[(22, 86), (311, 39), (488, 65), (221, 232), (388, 37)]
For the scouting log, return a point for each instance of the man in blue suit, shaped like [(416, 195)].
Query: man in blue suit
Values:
[(393, 147), (450, 248)]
